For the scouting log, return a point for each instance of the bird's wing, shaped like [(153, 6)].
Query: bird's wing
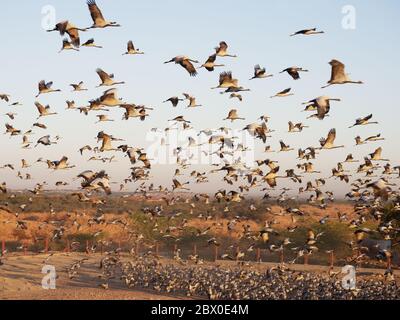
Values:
[(131, 47), (102, 74), (95, 11), (225, 76), (189, 67), (74, 35), (212, 58), (294, 73), (369, 117), (40, 107), (331, 136), (338, 70), (285, 91), (90, 41), (42, 85), (106, 142), (223, 46)]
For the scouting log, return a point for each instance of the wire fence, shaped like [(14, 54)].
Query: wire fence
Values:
[(210, 253)]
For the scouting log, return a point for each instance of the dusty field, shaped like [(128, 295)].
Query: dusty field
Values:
[(20, 279)]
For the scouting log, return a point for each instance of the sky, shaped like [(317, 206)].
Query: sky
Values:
[(257, 31)]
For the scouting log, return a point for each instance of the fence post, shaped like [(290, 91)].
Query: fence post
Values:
[(215, 253), (157, 249), (237, 253), (389, 262), (3, 247), (332, 259), (306, 259), (195, 249), (258, 255), (282, 256), (87, 247), (137, 248), (119, 244)]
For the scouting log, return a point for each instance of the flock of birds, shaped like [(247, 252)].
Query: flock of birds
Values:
[(370, 187), (216, 283)]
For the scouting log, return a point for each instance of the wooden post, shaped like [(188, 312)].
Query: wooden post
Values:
[(46, 245), (3, 247), (137, 248), (258, 255), (237, 253), (157, 249), (215, 253), (87, 247), (332, 259), (119, 244), (389, 262), (306, 259), (195, 249), (282, 256)]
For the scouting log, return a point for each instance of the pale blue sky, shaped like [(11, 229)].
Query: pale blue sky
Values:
[(255, 30)]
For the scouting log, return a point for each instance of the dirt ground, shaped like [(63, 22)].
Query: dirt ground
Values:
[(21, 276)]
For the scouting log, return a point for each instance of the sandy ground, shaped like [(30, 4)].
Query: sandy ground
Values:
[(20, 279)]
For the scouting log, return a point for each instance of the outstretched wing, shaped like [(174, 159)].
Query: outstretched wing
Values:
[(285, 91), (331, 136), (102, 74), (89, 42), (189, 67), (225, 77), (338, 72), (74, 35), (131, 47), (95, 12)]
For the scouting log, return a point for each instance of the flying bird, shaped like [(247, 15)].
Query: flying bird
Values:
[(363, 121), (46, 88), (284, 93), (294, 72), (64, 27), (97, 17), (338, 74), (307, 32), (90, 44), (210, 64), (107, 79), (222, 50), (328, 143), (186, 63), (260, 73), (131, 49)]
